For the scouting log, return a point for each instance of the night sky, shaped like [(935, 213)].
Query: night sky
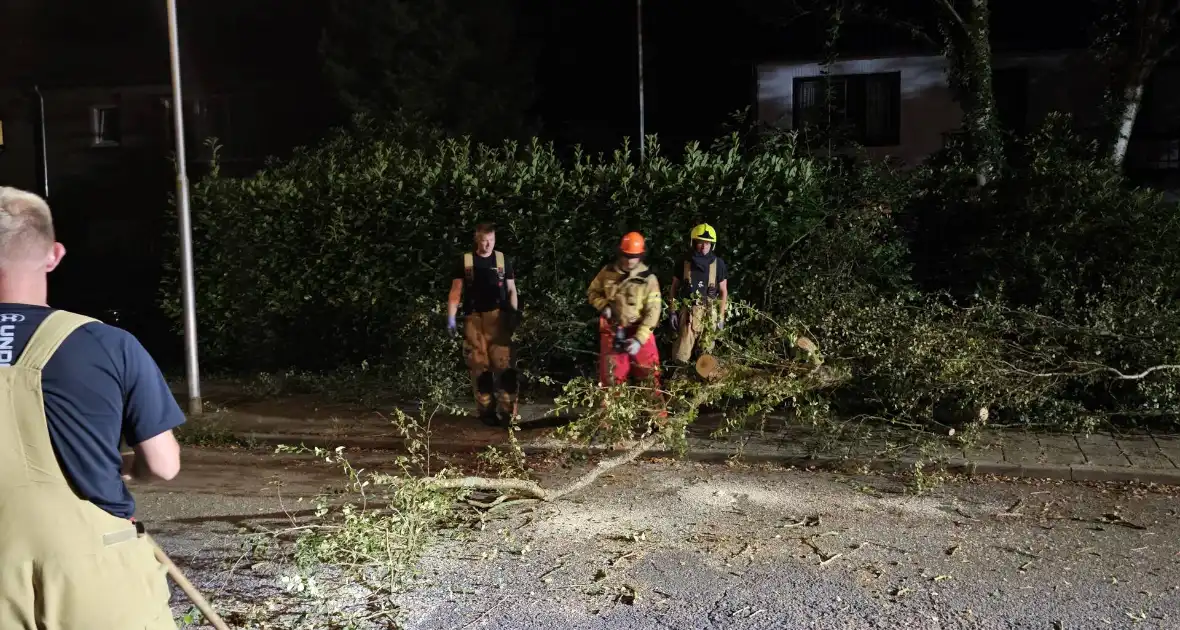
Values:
[(698, 57), (699, 62)]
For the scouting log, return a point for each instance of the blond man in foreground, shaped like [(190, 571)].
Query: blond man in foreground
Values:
[(71, 555)]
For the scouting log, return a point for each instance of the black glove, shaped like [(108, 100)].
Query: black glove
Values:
[(511, 318)]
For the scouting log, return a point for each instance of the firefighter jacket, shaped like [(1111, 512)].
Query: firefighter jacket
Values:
[(633, 297)]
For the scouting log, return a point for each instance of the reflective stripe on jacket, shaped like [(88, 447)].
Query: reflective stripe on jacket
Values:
[(633, 297)]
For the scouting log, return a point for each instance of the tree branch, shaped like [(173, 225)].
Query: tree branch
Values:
[(946, 4), (520, 486), (881, 17), (641, 447), (1170, 48), (1100, 369), (533, 490)]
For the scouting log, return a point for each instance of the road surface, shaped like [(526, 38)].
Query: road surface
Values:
[(682, 545)]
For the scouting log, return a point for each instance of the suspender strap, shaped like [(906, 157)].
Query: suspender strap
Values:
[(469, 267), (49, 336), (712, 275), (501, 266)]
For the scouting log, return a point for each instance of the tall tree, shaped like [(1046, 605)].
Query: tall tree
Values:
[(464, 65), (1134, 36), (966, 36)]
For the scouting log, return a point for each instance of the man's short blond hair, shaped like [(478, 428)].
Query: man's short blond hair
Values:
[(26, 225)]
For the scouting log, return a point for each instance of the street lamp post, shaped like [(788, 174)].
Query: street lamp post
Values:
[(192, 369), (639, 46), (41, 148)]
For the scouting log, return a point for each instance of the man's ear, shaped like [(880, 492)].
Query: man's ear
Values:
[(53, 259)]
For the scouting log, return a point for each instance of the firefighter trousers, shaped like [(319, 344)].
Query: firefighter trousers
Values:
[(694, 322), (487, 347), (616, 368)]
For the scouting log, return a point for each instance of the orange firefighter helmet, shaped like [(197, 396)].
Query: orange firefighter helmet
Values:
[(633, 244)]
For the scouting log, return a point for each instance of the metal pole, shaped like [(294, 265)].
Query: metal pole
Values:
[(192, 370), (41, 148), (639, 44)]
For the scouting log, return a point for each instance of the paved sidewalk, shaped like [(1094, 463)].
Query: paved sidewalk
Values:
[(1142, 457)]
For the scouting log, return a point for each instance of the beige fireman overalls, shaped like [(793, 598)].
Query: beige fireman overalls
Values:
[(487, 347), (65, 563), (697, 316)]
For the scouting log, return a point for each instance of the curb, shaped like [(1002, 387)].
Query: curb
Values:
[(970, 468)]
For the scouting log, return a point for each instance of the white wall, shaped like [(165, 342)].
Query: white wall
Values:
[(1057, 81), (928, 109)]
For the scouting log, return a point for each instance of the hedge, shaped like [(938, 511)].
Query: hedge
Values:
[(342, 256)]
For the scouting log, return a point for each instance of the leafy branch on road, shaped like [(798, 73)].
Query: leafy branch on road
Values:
[(373, 531), (764, 365), (376, 529)]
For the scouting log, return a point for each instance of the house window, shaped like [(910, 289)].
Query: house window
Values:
[(106, 126), (208, 117), (213, 119), (865, 107), (190, 136), (1163, 155)]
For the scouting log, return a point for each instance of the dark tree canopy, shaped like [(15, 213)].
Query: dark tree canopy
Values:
[(463, 65)]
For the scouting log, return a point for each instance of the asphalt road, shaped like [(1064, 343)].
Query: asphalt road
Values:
[(678, 545)]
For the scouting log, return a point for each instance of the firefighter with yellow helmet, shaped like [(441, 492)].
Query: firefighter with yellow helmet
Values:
[(702, 287)]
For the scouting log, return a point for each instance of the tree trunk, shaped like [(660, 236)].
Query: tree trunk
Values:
[(1144, 37), (1129, 112), (982, 115), (970, 55)]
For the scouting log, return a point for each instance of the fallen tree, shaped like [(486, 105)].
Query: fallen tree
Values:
[(762, 364)]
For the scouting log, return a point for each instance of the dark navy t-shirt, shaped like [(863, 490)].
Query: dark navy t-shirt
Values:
[(484, 295), (699, 269), (100, 385)]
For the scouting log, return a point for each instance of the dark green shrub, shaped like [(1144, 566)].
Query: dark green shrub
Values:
[(340, 259), (320, 261), (1085, 263)]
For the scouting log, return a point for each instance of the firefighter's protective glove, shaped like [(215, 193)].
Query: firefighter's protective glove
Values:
[(511, 318), (633, 346), (452, 326), (674, 320)]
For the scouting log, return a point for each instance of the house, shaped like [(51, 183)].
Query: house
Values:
[(87, 117), (902, 107)]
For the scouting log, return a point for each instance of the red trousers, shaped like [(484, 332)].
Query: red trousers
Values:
[(615, 368)]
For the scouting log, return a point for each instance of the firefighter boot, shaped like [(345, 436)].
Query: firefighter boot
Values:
[(485, 407), (506, 398)]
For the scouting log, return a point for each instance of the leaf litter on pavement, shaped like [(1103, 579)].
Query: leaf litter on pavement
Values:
[(607, 547)]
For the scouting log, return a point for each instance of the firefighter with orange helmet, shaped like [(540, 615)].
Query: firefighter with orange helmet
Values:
[(626, 294)]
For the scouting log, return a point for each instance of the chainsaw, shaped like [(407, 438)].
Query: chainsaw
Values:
[(619, 343)]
